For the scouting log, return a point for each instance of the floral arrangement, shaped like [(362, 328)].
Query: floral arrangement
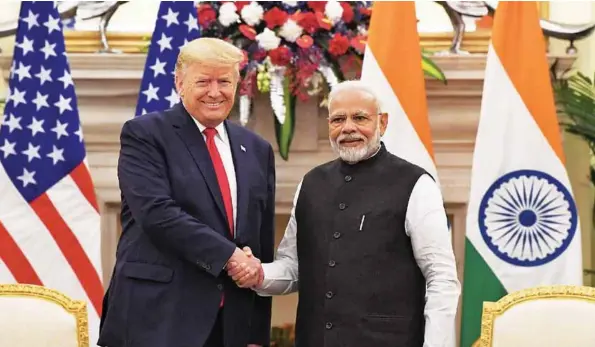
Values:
[(293, 50)]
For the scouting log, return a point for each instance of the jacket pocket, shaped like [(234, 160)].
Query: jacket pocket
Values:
[(148, 272)]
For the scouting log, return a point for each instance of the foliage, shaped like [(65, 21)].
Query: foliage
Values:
[(310, 41), (575, 102), (293, 50)]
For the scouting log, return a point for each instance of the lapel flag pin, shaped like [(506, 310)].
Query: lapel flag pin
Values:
[(243, 148)]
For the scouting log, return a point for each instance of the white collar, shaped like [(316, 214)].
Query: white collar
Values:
[(221, 131)]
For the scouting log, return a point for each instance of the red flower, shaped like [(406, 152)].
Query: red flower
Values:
[(305, 41), (240, 4), (280, 56), (248, 83), (308, 21), (248, 31), (347, 12), (317, 6), (338, 45), (259, 55), (365, 11), (245, 61), (206, 15), (359, 43), (323, 22), (275, 17)]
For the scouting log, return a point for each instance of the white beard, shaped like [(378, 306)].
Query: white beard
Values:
[(353, 155)]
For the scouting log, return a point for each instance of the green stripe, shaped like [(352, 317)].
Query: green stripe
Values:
[(479, 285)]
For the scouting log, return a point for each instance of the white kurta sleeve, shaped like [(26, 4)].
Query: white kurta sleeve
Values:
[(281, 276), (426, 225)]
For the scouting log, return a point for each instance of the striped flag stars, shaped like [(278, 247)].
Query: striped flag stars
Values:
[(176, 24), (49, 220)]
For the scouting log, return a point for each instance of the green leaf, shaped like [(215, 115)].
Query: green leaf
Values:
[(575, 104), (431, 69), (284, 132)]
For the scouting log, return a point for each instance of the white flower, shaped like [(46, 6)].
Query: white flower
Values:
[(228, 14), (333, 11), (252, 14), (290, 3), (362, 30), (290, 31), (268, 40)]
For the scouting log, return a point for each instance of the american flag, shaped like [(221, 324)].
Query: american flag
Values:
[(176, 24), (49, 220)]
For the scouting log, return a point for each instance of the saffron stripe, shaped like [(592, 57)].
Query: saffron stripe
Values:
[(15, 259), (406, 77), (82, 177), (71, 249), (518, 41)]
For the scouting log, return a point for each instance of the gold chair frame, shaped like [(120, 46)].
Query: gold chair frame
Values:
[(77, 308), (491, 310)]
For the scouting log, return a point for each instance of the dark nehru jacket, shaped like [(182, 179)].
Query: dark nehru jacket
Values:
[(359, 284)]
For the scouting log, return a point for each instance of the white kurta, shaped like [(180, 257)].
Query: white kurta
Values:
[(426, 225)]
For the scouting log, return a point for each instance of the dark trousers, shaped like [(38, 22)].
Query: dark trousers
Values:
[(215, 339)]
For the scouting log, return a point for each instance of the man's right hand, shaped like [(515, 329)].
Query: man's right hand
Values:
[(244, 268)]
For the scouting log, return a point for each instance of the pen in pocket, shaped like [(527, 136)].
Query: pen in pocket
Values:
[(361, 224)]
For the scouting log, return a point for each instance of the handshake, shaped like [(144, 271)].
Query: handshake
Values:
[(245, 269)]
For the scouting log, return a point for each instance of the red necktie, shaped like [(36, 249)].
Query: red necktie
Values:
[(222, 180), (221, 175)]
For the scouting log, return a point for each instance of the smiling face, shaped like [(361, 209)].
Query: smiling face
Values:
[(207, 92), (355, 126)]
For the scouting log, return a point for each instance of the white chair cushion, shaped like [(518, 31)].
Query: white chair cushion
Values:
[(546, 322), (35, 322)]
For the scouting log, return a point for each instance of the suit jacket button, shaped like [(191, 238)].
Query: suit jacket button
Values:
[(347, 178), (329, 294), (329, 325), (208, 267), (337, 234), (220, 286), (331, 263), (342, 206)]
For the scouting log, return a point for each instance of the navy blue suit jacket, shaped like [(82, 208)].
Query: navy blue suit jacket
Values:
[(166, 286)]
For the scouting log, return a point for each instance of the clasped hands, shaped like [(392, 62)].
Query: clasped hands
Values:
[(245, 269)]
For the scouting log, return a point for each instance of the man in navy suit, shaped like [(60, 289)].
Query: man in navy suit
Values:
[(196, 189)]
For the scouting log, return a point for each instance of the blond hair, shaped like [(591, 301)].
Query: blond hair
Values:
[(210, 51)]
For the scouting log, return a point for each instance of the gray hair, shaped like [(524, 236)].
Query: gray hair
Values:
[(357, 85)]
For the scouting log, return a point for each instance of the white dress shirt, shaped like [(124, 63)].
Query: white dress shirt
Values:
[(426, 225), (224, 148)]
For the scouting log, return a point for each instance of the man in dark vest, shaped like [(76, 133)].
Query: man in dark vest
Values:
[(370, 235)]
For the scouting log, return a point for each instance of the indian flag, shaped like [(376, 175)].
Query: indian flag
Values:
[(522, 223), (393, 67)]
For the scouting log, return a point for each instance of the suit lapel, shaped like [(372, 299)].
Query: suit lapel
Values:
[(239, 152), (195, 142)]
